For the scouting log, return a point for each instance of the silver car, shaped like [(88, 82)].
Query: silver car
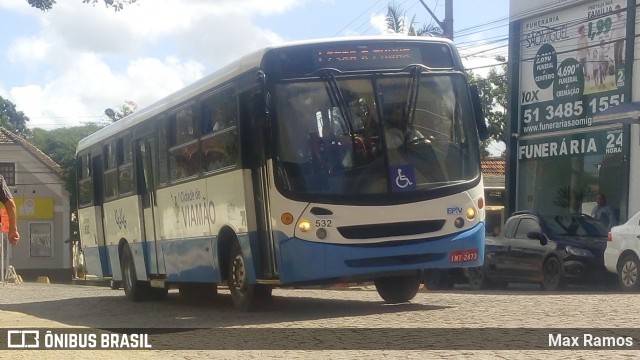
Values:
[(622, 253)]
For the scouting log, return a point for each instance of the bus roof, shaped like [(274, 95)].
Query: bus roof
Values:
[(235, 68)]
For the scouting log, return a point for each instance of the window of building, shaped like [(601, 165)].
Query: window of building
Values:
[(554, 181), (40, 236), (8, 170)]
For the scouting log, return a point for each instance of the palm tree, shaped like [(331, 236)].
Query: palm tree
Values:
[(396, 22)]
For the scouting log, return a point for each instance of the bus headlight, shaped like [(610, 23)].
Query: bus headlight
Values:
[(304, 225), (321, 233), (471, 213)]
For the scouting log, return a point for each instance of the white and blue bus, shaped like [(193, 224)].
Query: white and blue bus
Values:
[(308, 163)]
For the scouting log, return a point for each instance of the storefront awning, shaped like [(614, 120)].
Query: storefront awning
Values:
[(625, 113)]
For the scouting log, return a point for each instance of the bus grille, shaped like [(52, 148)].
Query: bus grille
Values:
[(373, 231)]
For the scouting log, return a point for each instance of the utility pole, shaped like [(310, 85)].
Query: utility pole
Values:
[(447, 24)]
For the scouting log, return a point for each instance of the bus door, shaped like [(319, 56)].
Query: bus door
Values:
[(253, 113), (98, 202), (145, 156)]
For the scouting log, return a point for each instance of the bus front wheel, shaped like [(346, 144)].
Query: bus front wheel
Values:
[(397, 289), (245, 296), (134, 290)]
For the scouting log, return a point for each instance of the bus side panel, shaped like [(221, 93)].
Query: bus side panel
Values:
[(93, 247), (170, 255), (196, 260), (122, 221), (309, 261)]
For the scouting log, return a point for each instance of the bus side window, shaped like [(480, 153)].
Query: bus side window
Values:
[(220, 137), (85, 196), (110, 171), (125, 165), (163, 146), (184, 154)]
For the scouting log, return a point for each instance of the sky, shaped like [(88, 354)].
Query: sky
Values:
[(65, 66)]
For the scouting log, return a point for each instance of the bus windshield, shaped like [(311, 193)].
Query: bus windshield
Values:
[(379, 134)]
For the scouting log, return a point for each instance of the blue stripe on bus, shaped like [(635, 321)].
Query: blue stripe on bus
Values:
[(302, 260), (299, 260)]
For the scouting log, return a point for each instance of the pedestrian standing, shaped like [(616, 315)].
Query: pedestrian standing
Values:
[(7, 199)]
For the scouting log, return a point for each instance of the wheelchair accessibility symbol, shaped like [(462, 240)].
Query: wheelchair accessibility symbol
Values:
[(403, 178)]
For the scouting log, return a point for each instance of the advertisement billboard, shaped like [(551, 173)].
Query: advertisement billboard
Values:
[(572, 66)]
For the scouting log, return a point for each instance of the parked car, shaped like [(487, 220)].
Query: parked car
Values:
[(552, 250), (621, 255)]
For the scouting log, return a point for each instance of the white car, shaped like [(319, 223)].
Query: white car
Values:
[(622, 253)]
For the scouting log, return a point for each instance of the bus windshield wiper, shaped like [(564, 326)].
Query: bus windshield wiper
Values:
[(412, 99), (338, 99)]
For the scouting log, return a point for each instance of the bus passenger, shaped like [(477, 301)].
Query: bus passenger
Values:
[(396, 128)]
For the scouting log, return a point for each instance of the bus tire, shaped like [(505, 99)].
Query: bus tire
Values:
[(245, 296), (397, 289), (115, 285), (134, 290), (477, 278)]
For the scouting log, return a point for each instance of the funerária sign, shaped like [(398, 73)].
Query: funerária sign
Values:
[(597, 143)]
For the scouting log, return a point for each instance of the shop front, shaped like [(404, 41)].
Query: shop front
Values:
[(569, 63)]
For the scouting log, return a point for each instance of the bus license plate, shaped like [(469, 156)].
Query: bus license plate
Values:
[(463, 255)]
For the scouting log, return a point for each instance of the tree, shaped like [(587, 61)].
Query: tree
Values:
[(12, 119), (396, 22), (46, 5), (493, 93), (129, 107), (60, 146)]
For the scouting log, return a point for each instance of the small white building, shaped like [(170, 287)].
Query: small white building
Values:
[(43, 211)]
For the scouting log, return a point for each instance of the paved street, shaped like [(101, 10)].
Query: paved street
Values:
[(34, 305)]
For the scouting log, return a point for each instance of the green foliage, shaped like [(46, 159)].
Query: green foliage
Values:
[(128, 108), (46, 5), (60, 146), (493, 94), (396, 22), (12, 119)]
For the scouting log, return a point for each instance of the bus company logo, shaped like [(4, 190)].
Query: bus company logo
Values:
[(23, 339), (70, 339), (454, 210)]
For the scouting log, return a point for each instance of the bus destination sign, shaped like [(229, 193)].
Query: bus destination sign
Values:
[(363, 57)]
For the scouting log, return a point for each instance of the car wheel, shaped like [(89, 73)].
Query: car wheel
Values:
[(477, 278), (552, 274), (397, 289), (628, 273)]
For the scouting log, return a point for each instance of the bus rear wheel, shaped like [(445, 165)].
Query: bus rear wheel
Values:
[(397, 289), (134, 290), (245, 296)]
